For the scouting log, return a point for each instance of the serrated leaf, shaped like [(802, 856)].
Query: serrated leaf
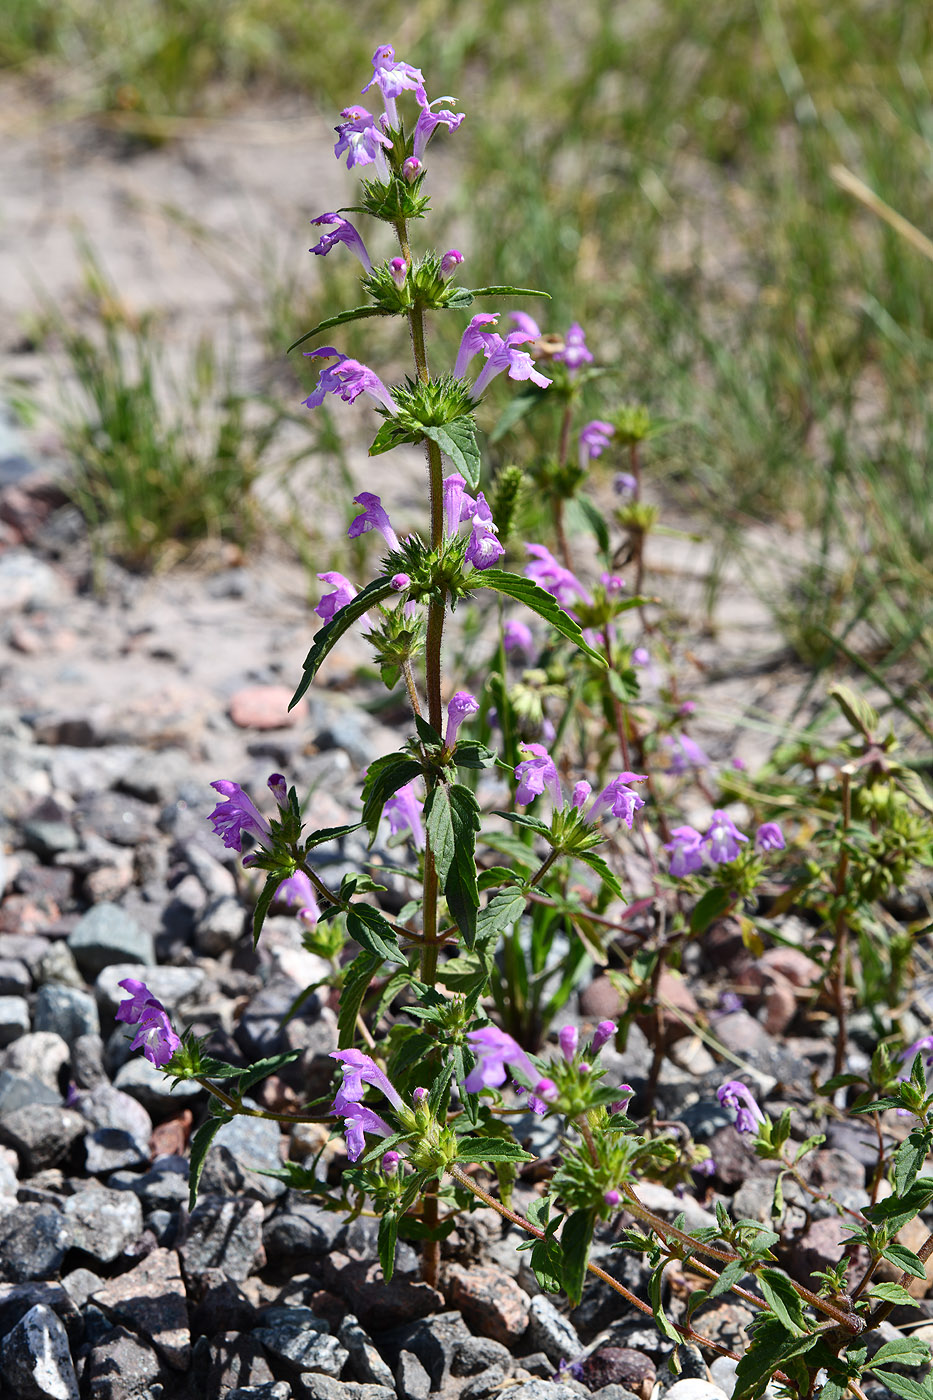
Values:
[(624, 684), (327, 636), (199, 1147), (264, 902), (491, 1150), (710, 907), (733, 1273), (878, 1105), (575, 1240), (546, 1264), (906, 1351), (770, 1346), (664, 1325), (782, 1298), (263, 1068), (357, 313), (359, 975), (897, 1210), (905, 1259), (893, 1293), (457, 440), (428, 734), (525, 590), (522, 819), (329, 833), (515, 410), (384, 777), (372, 931), (509, 292), (458, 298), (597, 863), (500, 913), (857, 710), (839, 1081), (914, 786), (451, 819), (470, 753), (905, 1387), (388, 1237), (909, 1158), (596, 520)]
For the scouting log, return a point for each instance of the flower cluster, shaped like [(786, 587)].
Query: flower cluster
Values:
[(499, 353), (483, 548), (154, 1035), (735, 1094), (538, 774), (689, 848), (359, 1071)]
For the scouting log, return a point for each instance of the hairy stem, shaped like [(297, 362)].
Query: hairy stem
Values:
[(842, 935)]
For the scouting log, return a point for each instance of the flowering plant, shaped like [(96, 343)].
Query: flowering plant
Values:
[(436, 1097)]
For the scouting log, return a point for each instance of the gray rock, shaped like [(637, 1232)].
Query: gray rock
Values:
[(485, 1384), (412, 1380), (256, 1145), (537, 1364), (17, 1298), (14, 1018), (365, 1361), (104, 1222), (723, 1369), (117, 817), (110, 1149), (273, 1390), (549, 1331), (33, 1241), (434, 1340), (615, 1392), (314, 1386), (142, 1081), (40, 1055), (300, 1341), (26, 583), (223, 1234), (693, 1388), (58, 965), (105, 935), (80, 1284), (220, 926), (15, 978), (66, 1011), (16, 1091), (215, 877), (304, 1232), (165, 1186), (40, 1135), (121, 1367), (49, 838), (87, 1062), (36, 1360), (542, 1390), (480, 1353), (107, 1107)]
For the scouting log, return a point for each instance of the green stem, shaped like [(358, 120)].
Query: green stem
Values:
[(842, 934), (236, 1107)]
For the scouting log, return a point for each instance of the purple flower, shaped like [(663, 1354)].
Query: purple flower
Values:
[(723, 839), (568, 1038), (459, 706), (613, 584), (581, 794), (399, 582), (923, 1046), (473, 341), (331, 603), (574, 354), (604, 1032), (613, 1197), (412, 168), (360, 1069), (343, 232), (155, 1036), (729, 1002), (298, 893), (237, 815), (641, 656), (451, 259), (739, 764), (141, 1000), (373, 517), (705, 1168), (686, 848), (278, 786), (419, 1095), (734, 1094), (546, 1090), (517, 637), (347, 379), (458, 506), (404, 812), (527, 324), (358, 1120), (594, 439), (625, 485), (620, 1104), (429, 120), (503, 355), (484, 549), (553, 577), (392, 79), (535, 774), (494, 1050), (390, 1161), (362, 140), (618, 797), (769, 837), (683, 753), (399, 270)]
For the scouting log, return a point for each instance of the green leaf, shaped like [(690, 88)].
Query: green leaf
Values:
[(388, 1236), (457, 440), (515, 410), (906, 1351), (384, 777), (329, 833), (458, 298), (712, 906), (904, 1386), (897, 1210), (782, 1298), (878, 1105), (857, 711), (491, 1150), (341, 318), (597, 863), (428, 734), (624, 684), (575, 1240), (730, 1275), (909, 1158), (770, 1346), (264, 902), (546, 1261), (596, 520), (470, 753), (327, 636), (509, 292), (893, 1293), (665, 1326), (905, 1259), (451, 819), (500, 913), (372, 931), (359, 974), (521, 819), (263, 1068), (525, 590), (199, 1146)]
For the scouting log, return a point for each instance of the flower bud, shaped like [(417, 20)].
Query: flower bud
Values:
[(412, 168), (399, 269), (451, 259), (279, 789), (419, 1096), (620, 1105), (604, 1031), (613, 1197), (568, 1036), (585, 1068), (399, 582), (390, 1161), (547, 1090)]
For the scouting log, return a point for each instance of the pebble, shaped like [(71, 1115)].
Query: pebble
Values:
[(491, 1302), (315, 1386), (33, 1241), (264, 707), (169, 985), (365, 1361), (549, 1331), (14, 1018), (151, 1299), (412, 1380), (121, 1367), (479, 1353), (542, 1390), (41, 1135), (18, 1091), (36, 1358), (40, 1055), (105, 935), (67, 1011), (223, 1234), (301, 1340), (142, 1081), (221, 926), (695, 1389), (107, 1107), (103, 1223), (15, 978)]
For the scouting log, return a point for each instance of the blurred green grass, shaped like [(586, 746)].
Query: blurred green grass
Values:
[(666, 172)]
